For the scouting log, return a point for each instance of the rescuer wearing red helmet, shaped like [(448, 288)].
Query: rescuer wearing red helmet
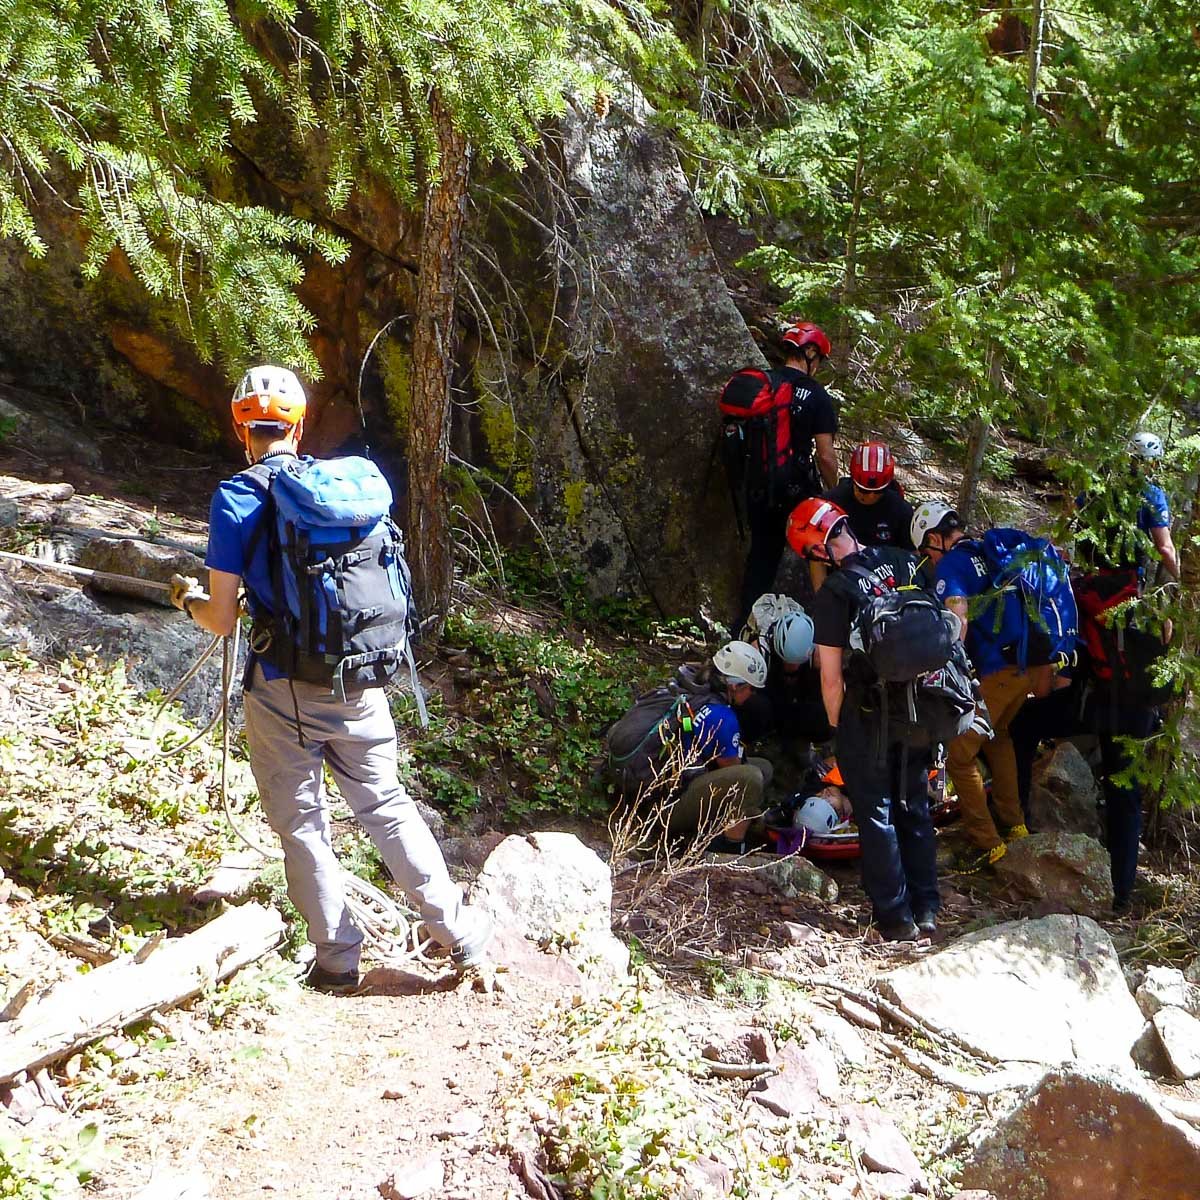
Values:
[(885, 778), (806, 464), (872, 500)]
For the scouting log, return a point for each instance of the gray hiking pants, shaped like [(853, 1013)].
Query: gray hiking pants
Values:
[(357, 740)]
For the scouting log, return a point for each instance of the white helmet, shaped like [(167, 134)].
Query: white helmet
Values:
[(928, 517), (742, 663), (792, 638), (1146, 445), (817, 815)]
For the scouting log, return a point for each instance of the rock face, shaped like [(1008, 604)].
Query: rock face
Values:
[(1066, 872), (599, 412), (158, 646), (1047, 991), (551, 887), (1087, 1134), (1064, 795)]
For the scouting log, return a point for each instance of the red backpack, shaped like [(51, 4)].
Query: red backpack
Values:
[(760, 452), (1122, 656)]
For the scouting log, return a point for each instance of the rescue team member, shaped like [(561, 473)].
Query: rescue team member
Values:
[(872, 500), (790, 705), (886, 780), (813, 425), (961, 574), (355, 738), (1154, 516), (719, 776)]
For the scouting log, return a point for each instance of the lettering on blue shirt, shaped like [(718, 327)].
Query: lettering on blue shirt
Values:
[(963, 574), (715, 734)]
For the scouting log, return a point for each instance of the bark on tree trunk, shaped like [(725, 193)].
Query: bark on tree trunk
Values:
[(981, 429), (1037, 33), (430, 549)]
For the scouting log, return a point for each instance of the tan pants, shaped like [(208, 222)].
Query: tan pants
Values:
[(1003, 693), (737, 791)]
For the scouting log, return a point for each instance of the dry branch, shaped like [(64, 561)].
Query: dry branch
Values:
[(85, 1007), (951, 1077)]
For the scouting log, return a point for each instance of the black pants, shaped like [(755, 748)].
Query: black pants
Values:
[(768, 537), (1057, 715), (889, 794), (1123, 803)]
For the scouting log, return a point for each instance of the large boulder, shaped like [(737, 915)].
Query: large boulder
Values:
[(133, 559), (1064, 794), (1090, 1134), (1047, 991), (157, 646), (1063, 872), (554, 890)]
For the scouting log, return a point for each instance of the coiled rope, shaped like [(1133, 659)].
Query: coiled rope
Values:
[(393, 933)]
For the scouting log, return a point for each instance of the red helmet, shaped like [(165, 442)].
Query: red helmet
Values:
[(872, 466), (805, 333), (811, 523)]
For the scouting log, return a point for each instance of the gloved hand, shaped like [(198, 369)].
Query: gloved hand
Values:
[(185, 588)]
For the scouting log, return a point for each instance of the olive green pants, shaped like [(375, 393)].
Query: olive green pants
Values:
[(732, 792)]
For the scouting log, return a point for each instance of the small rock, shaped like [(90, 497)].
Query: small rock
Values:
[(9, 512), (1167, 987), (138, 560), (414, 1179), (462, 1124), (72, 1068), (796, 877), (840, 1036), (1180, 1033), (742, 1046), (391, 1094), (881, 1145), (806, 1083), (1149, 1054), (1192, 971), (794, 934), (706, 1178), (860, 1014)]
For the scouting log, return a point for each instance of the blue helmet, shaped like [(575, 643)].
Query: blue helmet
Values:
[(792, 638)]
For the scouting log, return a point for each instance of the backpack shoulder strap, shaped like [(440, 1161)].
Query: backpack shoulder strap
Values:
[(262, 477)]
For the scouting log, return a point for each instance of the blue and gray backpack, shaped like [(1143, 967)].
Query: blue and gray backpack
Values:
[(342, 603)]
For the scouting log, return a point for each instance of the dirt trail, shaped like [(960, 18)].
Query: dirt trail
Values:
[(329, 1096)]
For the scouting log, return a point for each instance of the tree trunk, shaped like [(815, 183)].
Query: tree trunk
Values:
[(1037, 34), (430, 547), (981, 429), (161, 974)]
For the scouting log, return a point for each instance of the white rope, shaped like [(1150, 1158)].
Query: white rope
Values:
[(392, 932)]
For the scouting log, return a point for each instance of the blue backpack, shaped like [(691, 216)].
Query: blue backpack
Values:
[(1034, 611), (342, 603)]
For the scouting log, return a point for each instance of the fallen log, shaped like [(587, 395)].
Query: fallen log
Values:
[(161, 975)]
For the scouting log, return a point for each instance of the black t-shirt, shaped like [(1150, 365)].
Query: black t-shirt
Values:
[(812, 409), (838, 601), (887, 522)]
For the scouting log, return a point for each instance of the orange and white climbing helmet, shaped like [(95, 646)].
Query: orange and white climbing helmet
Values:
[(268, 396)]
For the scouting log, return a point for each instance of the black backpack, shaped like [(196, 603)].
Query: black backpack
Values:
[(758, 446), (910, 647), (901, 632), (640, 743)]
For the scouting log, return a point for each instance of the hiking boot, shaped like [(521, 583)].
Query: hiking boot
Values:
[(977, 860), (471, 950), (926, 923), (333, 983), (1016, 833), (899, 931), (723, 845)]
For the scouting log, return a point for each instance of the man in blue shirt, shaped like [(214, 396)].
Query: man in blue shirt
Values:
[(718, 779), (295, 729), (962, 581), (1154, 516)]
